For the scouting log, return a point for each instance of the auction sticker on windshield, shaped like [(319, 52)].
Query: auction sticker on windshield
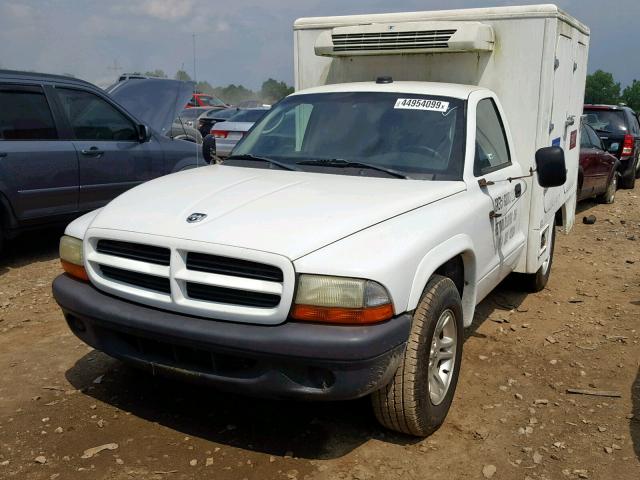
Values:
[(422, 104)]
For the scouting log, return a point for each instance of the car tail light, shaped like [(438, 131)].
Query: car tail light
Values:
[(627, 145), (220, 133)]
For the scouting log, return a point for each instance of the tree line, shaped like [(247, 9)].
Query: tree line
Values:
[(603, 89), (270, 92)]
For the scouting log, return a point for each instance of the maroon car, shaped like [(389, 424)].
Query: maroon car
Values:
[(598, 172)]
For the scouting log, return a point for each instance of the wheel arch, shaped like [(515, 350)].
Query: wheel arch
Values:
[(446, 259)]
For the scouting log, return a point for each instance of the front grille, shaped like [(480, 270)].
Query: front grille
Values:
[(234, 267), (209, 293), (392, 40), (135, 251), (204, 280), (142, 280)]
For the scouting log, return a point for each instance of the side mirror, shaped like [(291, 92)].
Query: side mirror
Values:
[(551, 168), (613, 148), (144, 133), (209, 148)]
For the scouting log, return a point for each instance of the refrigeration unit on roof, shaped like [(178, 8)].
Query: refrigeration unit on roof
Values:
[(406, 38)]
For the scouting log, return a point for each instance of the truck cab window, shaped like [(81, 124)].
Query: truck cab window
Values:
[(25, 115), (420, 136), (92, 118), (492, 152)]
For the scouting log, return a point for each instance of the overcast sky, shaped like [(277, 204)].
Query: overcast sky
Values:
[(238, 41)]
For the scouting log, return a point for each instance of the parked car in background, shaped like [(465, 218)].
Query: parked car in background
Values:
[(597, 174), (229, 133), (205, 100), (67, 146), (208, 119), (617, 126), (189, 116), (184, 125)]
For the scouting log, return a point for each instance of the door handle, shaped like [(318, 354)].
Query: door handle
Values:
[(92, 152), (518, 190), (3, 154)]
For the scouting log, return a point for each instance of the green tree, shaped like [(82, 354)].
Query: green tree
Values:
[(156, 73), (631, 95), (182, 75), (205, 87), (273, 90), (602, 88), (234, 94)]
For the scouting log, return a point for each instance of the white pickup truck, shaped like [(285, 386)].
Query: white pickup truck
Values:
[(342, 248)]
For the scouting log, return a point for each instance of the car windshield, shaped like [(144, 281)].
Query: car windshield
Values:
[(419, 136), (247, 116), (209, 101), (606, 121)]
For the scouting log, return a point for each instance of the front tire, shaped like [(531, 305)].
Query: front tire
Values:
[(417, 400)]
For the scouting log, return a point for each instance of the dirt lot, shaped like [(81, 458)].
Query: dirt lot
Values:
[(512, 412)]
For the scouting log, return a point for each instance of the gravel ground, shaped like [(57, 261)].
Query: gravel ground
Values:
[(512, 417)]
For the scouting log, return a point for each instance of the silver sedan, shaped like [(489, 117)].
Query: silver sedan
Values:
[(229, 133)]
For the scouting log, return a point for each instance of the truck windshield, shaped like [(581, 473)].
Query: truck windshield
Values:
[(421, 137)]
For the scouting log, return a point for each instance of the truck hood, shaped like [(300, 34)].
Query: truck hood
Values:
[(283, 212)]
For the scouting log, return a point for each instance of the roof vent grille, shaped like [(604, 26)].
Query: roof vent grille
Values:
[(405, 38), (351, 42)]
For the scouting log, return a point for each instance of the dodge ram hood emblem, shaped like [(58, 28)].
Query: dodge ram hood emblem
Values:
[(196, 217)]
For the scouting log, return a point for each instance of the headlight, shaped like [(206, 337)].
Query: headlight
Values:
[(71, 257), (343, 300)]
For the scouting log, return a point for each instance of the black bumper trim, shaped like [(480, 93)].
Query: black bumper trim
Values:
[(288, 360)]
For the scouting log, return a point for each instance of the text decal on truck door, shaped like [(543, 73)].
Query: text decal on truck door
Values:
[(422, 104)]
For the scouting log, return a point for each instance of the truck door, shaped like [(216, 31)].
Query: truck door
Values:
[(494, 164)]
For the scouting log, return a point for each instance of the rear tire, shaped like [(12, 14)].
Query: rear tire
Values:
[(535, 282), (609, 196), (415, 402)]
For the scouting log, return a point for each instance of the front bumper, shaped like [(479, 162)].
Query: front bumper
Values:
[(295, 360)]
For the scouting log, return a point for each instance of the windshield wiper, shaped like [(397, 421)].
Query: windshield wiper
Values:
[(603, 131), (339, 163), (254, 158)]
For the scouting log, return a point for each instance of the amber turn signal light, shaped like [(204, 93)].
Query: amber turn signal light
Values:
[(74, 270), (343, 316)]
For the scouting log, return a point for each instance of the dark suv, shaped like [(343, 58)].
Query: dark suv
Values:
[(617, 126), (67, 146)]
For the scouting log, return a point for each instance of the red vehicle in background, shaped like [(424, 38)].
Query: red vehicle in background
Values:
[(598, 171), (618, 125), (205, 100)]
